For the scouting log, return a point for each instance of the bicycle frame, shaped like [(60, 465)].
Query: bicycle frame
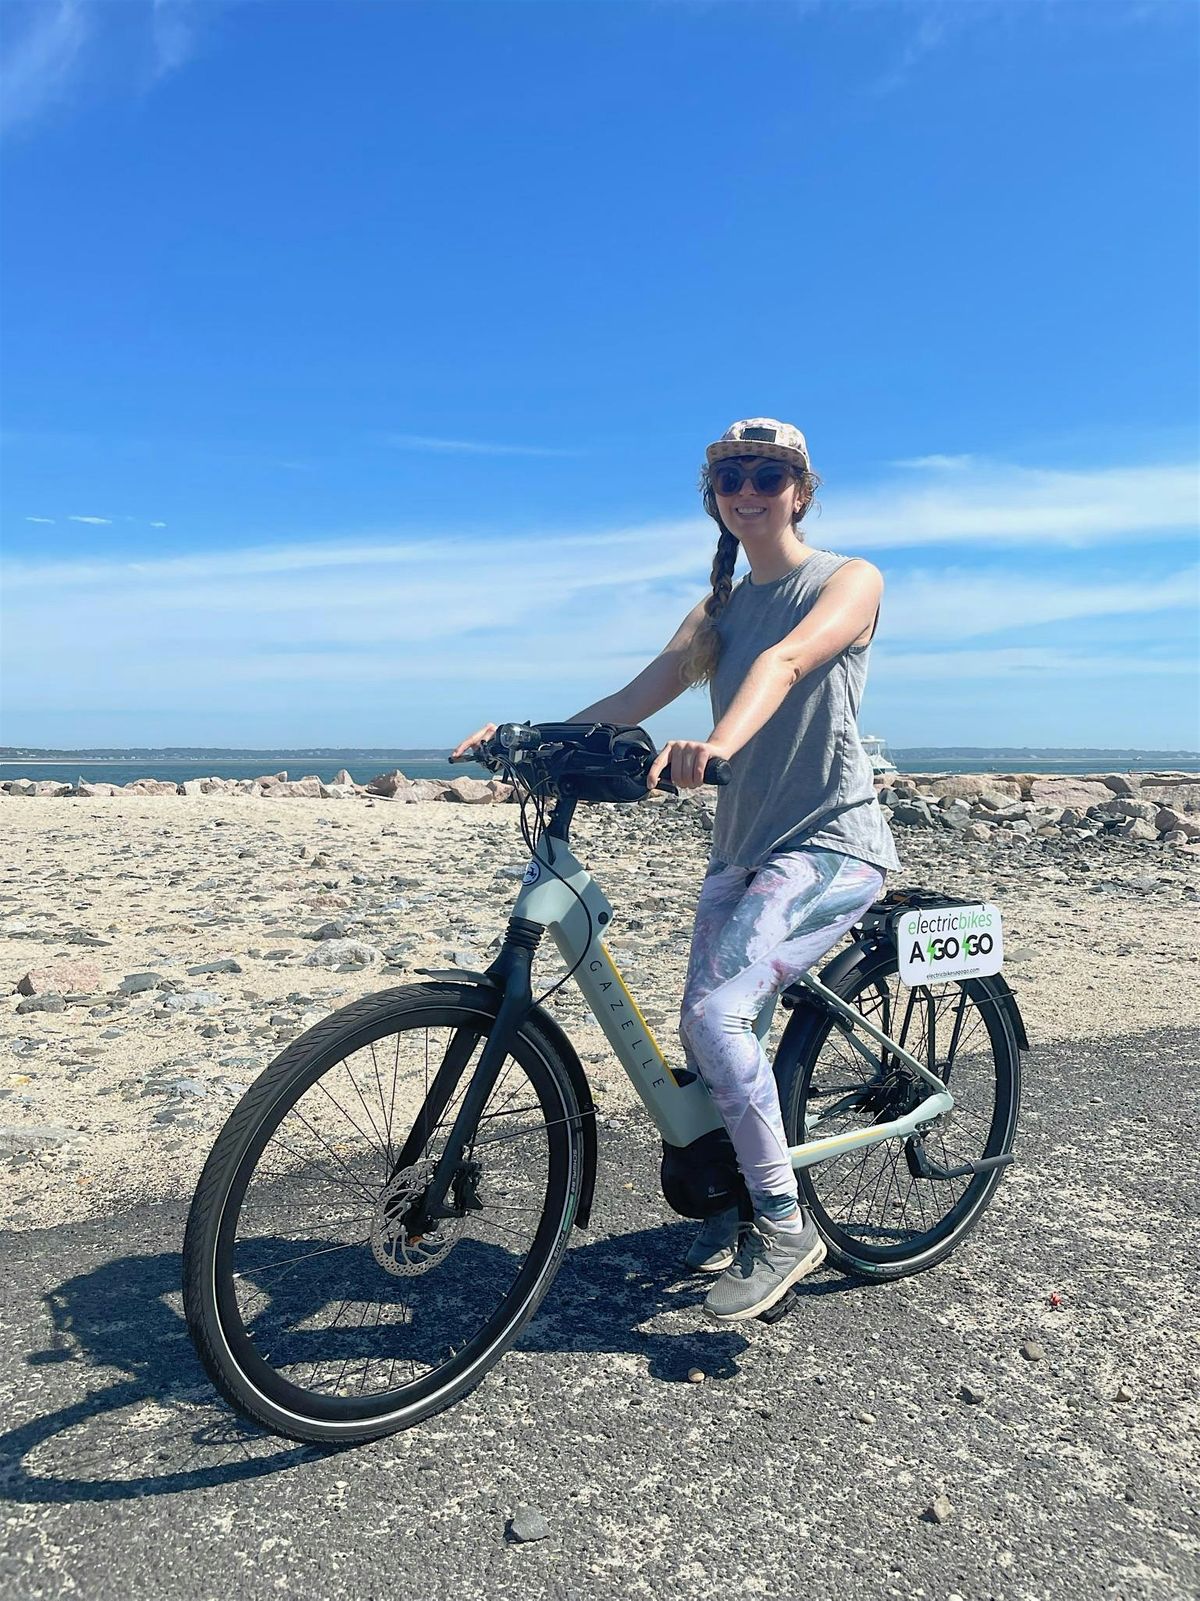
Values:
[(678, 1101)]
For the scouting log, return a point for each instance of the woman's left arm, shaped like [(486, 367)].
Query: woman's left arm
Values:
[(844, 609)]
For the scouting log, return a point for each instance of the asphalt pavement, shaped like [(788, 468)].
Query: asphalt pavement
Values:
[(808, 1462)]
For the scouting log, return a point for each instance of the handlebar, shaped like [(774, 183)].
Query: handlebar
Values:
[(512, 738)]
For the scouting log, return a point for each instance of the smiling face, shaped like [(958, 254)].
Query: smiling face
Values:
[(749, 511)]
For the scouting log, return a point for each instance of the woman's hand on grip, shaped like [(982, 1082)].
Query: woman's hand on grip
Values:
[(477, 738), (687, 759)]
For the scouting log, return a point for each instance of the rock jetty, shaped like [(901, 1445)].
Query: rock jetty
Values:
[(1153, 807)]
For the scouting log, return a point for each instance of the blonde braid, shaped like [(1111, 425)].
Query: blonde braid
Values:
[(704, 650)]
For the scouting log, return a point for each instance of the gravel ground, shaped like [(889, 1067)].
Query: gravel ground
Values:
[(811, 1455), (117, 1097)]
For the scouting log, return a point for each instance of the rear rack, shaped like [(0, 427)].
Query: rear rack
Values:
[(878, 919)]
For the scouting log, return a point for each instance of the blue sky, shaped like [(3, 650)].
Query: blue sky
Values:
[(358, 359)]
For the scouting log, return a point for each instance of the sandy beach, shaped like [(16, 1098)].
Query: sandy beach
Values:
[(115, 1093)]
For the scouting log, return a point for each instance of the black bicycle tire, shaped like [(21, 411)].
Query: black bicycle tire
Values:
[(794, 1067), (360, 1021)]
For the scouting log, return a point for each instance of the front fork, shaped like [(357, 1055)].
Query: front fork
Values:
[(512, 968)]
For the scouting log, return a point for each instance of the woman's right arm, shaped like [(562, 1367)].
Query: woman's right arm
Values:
[(656, 686)]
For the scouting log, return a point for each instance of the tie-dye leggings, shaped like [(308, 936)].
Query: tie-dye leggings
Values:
[(753, 935)]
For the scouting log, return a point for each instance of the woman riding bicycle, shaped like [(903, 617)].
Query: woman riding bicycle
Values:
[(800, 846)]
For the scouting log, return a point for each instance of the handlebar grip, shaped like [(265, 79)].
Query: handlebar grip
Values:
[(716, 771)]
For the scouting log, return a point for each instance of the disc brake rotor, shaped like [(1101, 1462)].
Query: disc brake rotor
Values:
[(399, 1253)]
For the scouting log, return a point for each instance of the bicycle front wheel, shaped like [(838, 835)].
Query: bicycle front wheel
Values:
[(880, 1212), (312, 1308)]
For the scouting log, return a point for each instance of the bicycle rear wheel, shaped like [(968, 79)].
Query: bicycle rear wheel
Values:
[(879, 1216), (312, 1309)]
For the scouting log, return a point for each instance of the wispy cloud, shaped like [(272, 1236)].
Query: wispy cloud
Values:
[(59, 42), (958, 603), (990, 503), (174, 28), (943, 463), (932, 27), (100, 520), (39, 520), (470, 447), (38, 68), (982, 594), (1018, 661)]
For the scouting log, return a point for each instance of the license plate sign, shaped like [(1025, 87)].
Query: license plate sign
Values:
[(938, 943)]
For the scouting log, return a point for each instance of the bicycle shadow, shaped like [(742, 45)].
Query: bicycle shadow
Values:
[(127, 1315)]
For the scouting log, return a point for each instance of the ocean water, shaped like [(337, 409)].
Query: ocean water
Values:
[(117, 768)]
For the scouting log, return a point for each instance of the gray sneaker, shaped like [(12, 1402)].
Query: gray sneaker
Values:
[(769, 1261), (712, 1249)]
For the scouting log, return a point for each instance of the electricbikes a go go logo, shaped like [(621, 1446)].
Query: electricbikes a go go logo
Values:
[(949, 942)]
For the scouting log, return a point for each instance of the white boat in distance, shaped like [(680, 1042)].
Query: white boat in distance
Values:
[(875, 748)]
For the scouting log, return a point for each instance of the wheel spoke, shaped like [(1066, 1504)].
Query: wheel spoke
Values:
[(324, 1298), (871, 1204)]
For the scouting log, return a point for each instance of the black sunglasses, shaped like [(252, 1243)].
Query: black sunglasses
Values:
[(769, 478)]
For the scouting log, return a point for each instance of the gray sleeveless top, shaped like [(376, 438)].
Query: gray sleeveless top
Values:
[(804, 778)]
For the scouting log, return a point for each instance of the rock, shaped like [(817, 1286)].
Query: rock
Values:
[(1135, 828), (42, 1003), (227, 964), (60, 977), (136, 983), (88, 791), (970, 786), (471, 790), (1078, 792), (387, 784), (1147, 810), (337, 930), (150, 786), (695, 1375), (1124, 1393), (308, 788), (47, 1136), (191, 1001), (1181, 795), (527, 1523), (939, 1510), (971, 1394), (1032, 1351), (336, 952), (913, 814)]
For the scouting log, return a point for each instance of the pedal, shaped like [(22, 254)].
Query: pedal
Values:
[(781, 1308)]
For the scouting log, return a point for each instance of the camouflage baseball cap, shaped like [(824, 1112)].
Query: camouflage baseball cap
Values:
[(761, 436)]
